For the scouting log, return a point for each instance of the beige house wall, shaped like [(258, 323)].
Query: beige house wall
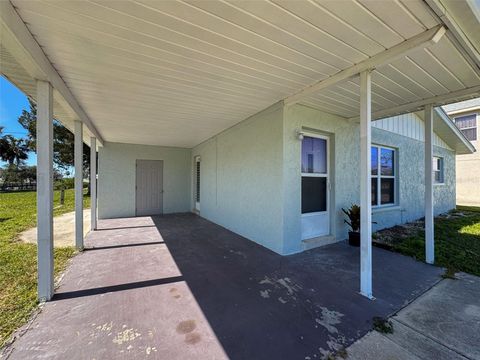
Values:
[(468, 168)]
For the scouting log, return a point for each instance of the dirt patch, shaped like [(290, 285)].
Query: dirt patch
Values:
[(388, 238)]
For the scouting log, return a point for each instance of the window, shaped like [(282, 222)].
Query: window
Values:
[(314, 174), (438, 170), (468, 126), (383, 175)]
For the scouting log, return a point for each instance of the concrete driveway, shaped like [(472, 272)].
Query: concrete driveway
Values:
[(442, 324), (181, 287)]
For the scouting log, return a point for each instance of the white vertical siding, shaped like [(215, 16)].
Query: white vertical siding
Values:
[(409, 125)]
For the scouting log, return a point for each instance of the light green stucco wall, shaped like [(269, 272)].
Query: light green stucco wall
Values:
[(344, 171), (116, 178), (251, 176), (345, 184), (241, 178)]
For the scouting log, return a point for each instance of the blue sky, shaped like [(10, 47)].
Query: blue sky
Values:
[(12, 102)]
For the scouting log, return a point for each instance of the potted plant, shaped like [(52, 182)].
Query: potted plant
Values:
[(353, 214)]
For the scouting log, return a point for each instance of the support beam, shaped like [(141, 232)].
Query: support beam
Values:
[(454, 96), (429, 239), (93, 183), (45, 190), (443, 14), (32, 58), (365, 185), (425, 39), (78, 159)]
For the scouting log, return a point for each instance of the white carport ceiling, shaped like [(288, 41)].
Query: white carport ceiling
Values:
[(176, 73)]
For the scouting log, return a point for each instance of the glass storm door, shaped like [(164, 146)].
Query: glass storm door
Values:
[(315, 187)]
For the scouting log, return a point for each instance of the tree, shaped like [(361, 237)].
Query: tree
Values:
[(63, 140), (3, 143), (13, 150)]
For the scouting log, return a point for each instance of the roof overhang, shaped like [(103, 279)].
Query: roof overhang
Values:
[(448, 132), (176, 73), (22, 62)]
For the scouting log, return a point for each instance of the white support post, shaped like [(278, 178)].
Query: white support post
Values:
[(78, 159), (45, 190), (429, 234), (365, 186), (93, 183)]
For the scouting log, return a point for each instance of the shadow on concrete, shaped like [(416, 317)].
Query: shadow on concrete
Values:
[(261, 305), (115, 288), (123, 245)]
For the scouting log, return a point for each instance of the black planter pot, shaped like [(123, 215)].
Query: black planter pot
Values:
[(354, 238)]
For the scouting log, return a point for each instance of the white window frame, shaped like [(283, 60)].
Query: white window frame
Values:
[(379, 177), (471, 127), (441, 170)]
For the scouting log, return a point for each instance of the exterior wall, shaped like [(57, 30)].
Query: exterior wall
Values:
[(344, 170), (251, 175), (409, 125), (116, 178), (345, 173), (411, 181), (241, 178)]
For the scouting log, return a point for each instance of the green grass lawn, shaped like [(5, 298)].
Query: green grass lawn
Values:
[(457, 241), (18, 261)]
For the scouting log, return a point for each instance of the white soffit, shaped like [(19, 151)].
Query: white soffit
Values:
[(175, 73)]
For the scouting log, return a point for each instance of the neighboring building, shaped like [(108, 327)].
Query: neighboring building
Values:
[(466, 115), (290, 198)]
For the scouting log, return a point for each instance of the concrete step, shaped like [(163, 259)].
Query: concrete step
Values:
[(318, 241)]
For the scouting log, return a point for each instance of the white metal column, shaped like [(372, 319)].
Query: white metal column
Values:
[(45, 190), (365, 186), (93, 182), (78, 158), (429, 235)]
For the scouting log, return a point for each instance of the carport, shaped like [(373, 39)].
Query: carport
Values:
[(176, 73), (181, 287)]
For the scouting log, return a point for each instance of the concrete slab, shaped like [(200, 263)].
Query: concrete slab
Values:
[(442, 324), (63, 230), (449, 314), (376, 346), (419, 344), (181, 287)]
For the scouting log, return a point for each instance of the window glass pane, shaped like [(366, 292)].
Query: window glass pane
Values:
[(198, 182), (438, 170), (387, 162), (314, 194), (374, 192), (314, 155), (387, 191), (374, 156), (470, 134), (467, 121)]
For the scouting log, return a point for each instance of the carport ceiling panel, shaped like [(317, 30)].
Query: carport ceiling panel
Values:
[(152, 71)]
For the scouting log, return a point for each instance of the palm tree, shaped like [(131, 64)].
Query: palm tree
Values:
[(13, 150), (3, 143)]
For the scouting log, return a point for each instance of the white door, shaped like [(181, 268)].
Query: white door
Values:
[(149, 187), (315, 186), (197, 183)]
